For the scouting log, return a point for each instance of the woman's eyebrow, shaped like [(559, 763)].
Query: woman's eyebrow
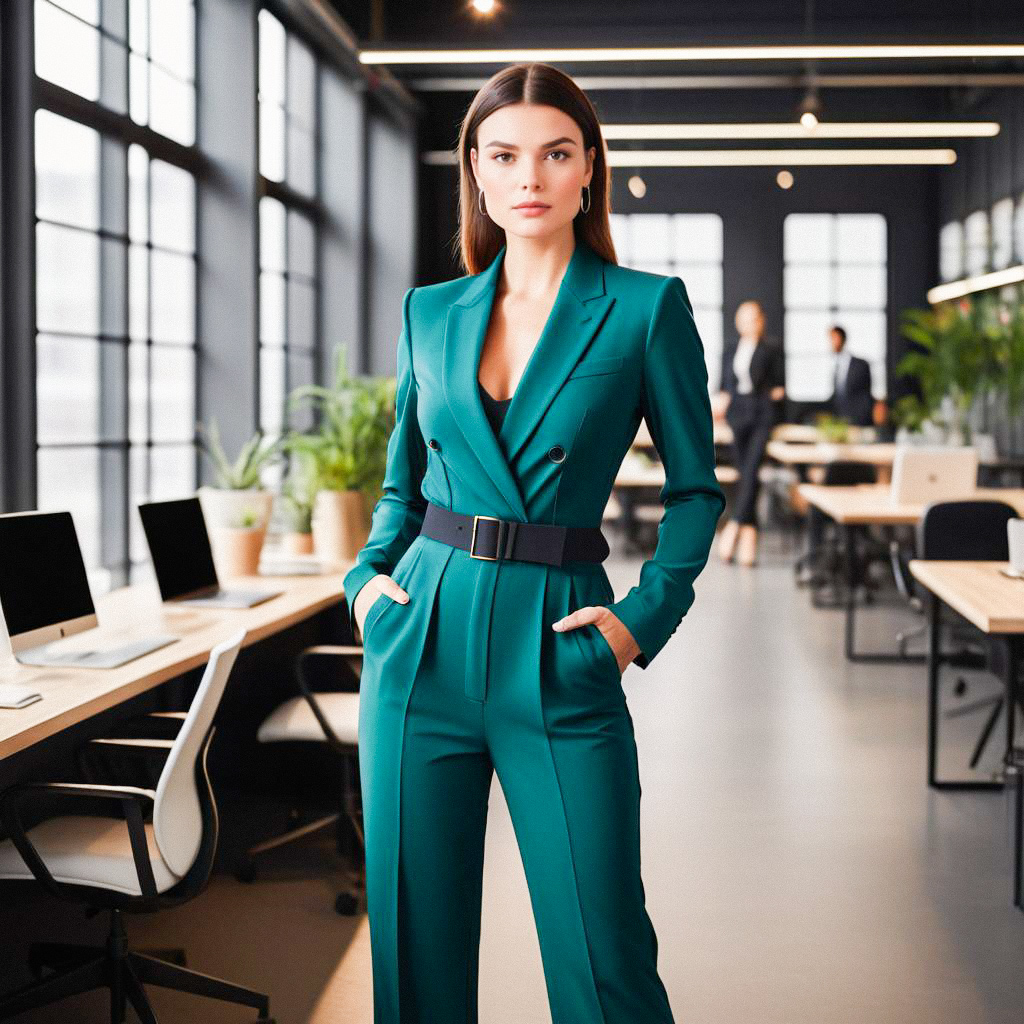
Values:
[(547, 145)]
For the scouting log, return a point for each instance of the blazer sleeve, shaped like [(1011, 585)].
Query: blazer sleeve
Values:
[(677, 407), (398, 515)]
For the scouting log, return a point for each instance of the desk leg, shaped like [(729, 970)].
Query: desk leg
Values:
[(849, 531), (934, 665)]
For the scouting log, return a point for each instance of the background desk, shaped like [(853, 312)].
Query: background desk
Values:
[(869, 505), (75, 696)]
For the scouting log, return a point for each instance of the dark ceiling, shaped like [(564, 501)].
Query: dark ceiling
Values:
[(662, 22)]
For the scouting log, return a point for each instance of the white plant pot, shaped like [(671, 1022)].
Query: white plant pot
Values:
[(229, 508), (340, 526)]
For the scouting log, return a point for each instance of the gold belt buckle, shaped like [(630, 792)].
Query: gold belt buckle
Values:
[(472, 540)]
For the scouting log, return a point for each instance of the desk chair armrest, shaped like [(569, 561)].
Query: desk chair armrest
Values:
[(131, 799), (163, 725), (352, 654)]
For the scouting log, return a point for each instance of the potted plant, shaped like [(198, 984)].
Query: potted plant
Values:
[(298, 495), (354, 419), (833, 429), (238, 509)]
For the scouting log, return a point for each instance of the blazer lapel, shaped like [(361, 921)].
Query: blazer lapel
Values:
[(578, 311)]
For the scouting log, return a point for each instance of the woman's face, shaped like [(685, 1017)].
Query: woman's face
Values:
[(750, 319), (531, 153)]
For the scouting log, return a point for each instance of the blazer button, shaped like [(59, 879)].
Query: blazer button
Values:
[(433, 444), (556, 453)]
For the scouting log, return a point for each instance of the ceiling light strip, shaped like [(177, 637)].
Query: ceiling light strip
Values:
[(983, 282), (883, 51), (795, 130)]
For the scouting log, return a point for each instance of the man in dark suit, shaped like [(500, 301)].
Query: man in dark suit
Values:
[(851, 395)]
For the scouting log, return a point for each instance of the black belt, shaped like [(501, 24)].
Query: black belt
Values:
[(494, 539)]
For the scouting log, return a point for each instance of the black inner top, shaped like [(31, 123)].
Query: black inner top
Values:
[(494, 407)]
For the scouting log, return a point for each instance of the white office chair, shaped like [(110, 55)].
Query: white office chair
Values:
[(126, 864), (330, 717)]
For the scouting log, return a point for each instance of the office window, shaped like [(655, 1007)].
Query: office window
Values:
[(1018, 230), (290, 218), (1002, 233), (115, 271), (977, 258), (687, 245), (834, 273), (951, 251), (90, 50)]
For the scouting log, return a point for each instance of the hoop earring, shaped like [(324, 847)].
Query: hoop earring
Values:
[(480, 203), (586, 188)]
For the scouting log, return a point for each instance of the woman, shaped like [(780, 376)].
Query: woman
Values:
[(492, 639), (752, 400)]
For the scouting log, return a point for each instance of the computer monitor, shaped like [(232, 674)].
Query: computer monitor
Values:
[(44, 590), (180, 547)]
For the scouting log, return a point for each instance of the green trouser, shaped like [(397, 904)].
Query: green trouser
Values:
[(549, 715)]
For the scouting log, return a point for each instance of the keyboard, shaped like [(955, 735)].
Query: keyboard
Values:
[(110, 657)]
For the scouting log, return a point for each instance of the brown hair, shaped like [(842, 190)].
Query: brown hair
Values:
[(480, 238)]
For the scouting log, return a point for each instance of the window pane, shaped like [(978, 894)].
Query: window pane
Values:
[(173, 471), (138, 391), (806, 335), (69, 479), (138, 26), (67, 280), (174, 200), (67, 51), (67, 171), (301, 315), (272, 141), (173, 310), (138, 194), (807, 287), (87, 10), (861, 237), (67, 390), (272, 389), (301, 245), (172, 107), (301, 159), (272, 221), (1018, 229), (658, 238), (172, 380), (807, 237), (138, 292), (1002, 234), (271, 70), (951, 251), (170, 35), (698, 234), (272, 309), (301, 83), (138, 89), (976, 234), (860, 287)]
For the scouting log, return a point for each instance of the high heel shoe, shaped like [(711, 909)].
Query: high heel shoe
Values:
[(727, 542), (747, 552)]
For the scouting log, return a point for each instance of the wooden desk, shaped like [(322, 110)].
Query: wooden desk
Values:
[(821, 453), (995, 604), (862, 505), (71, 695)]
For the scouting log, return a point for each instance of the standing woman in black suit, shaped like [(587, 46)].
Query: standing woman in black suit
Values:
[(752, 401)]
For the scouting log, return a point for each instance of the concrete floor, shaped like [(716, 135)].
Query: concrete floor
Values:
[(797, 868)]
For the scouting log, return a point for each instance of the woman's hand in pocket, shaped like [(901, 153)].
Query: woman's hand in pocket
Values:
[(612, 628), (371, 591)]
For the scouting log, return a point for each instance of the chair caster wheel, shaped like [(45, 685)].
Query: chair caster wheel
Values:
[(246, 871), (346, 904)]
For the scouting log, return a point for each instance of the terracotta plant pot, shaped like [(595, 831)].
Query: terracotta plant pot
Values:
[(236, 551), (297, 543), (340, 526)]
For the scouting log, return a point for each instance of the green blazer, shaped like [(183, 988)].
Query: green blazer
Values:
[(619, 345)]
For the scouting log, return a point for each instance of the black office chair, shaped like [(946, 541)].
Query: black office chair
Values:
[(331, 718), (824, 557), (125, 864), (967, 531)]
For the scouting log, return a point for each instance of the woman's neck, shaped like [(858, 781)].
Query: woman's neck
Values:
[(534, 267)]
